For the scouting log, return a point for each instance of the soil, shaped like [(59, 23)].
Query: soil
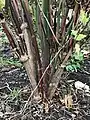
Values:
[(15, 90)]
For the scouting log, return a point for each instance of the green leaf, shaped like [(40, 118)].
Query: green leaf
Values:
[(69, 68), (74, 67), (78, 65), (72, 61), (2, 4), (74, 32), (77, 47), (80, 37), (79, 56), (83, 17)]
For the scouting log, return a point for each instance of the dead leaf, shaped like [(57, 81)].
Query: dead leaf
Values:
[(68, 101), (46, 107)]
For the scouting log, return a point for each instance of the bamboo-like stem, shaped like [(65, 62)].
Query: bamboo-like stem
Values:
[(40, 34), (10, 37), (50, 27), (17, 20), (45, 44), (65, 11), (57, 76), (58, 17), (15, 17), (63, 22), (30, 23), (6, 6), (30, 63), (34, 43), (76, 13)]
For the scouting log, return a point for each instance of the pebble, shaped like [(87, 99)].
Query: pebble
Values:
[(21, 75), (8, 108), (1, 114), (5, 69)]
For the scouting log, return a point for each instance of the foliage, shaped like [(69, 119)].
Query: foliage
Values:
[(3, 37), (15, 94), (6, 61), (2, 4), (75, 62), (80, 37), (77, 36), (77, 57), (83, 17)]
